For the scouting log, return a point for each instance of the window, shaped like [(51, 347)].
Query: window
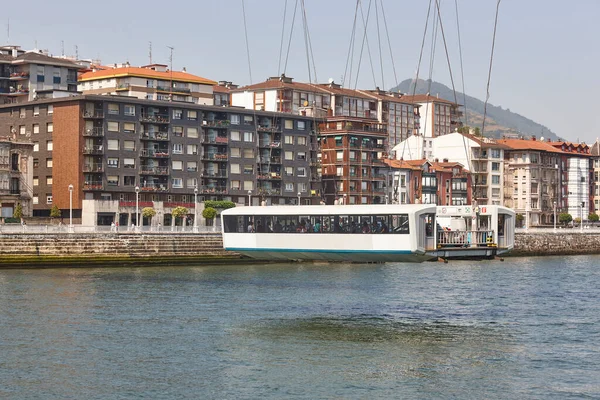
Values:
[(128, 127), (113, 109), (235, 136), (495, 179), (495, 153), (113, 144), (248, 153), (36, 199), (128, 145), (248, 185), (235, 119), (301, 125), (112, 180), (192, 115), (113, 162), (129, 180), (48, 162), (36, 181), (288, 139), (302, 187), (236, 152), (301, 141), (177, 165), (36, 128), (177, 183), (289, 187), (248, 169), (22, 130), (339, 155), (248, 120), (289, 171), (192, 132), (495, 166), (48, 199), (289, 155), (48, 180), (192, 166), (235, 185), (49, 145), (50, 110), (192, 149), (301, 155), (36, 111), (36, 146), (301, 171), (177, 148), (178, 131), (112, 126), (129, 110), (235, 168), (289, 124), (192, 183), (36, 163), (22, 113), (177, 114), (248, 136), (128, 163)]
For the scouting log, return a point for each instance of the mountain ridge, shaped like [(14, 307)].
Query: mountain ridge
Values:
[(499, 122)]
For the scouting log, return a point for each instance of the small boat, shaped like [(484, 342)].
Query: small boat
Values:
[(367, 233)]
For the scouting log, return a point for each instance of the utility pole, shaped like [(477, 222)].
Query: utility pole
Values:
[(171, 62)]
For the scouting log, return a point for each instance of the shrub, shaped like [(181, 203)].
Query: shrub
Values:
[(55, 212), (148, 212), (209, 213), (222, 204), (179, 212), (18, 211), (565, 218), (593, 217)]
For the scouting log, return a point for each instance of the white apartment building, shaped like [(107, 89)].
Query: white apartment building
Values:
[(438, 116)]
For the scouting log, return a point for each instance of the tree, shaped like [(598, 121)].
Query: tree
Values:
[(18, 211), (148, 212), (593, 217), (565, 218), (55, 212), (477, 131), (520, 219), (209, 214), (179, 212)]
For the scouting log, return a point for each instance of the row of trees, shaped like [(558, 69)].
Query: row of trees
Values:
[(209, 212), (565, 218)]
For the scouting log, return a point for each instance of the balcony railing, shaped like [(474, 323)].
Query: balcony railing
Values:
[(213, 190), (93, 114), (155, 118), (269, 176), (214, 174), (269, 192), (93, 150), (215, 157), (93, 132), (266, 128), (215, 140), (269, 144), (158, 136), (157, 187), (93, 185), (93, 168), (144, 170), (153, 153), (217, 123), (173, 90), (15, 76), (270, 160)]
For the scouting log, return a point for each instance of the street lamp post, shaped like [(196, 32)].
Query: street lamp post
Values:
[(196, 209), (299, 194), (581, 222), (387, 198), (249, 197), (554, 204), (137, 206), (70, 208), (345, 198)]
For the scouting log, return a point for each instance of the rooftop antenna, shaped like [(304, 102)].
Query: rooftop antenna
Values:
[(62, 48), (76, 52), (171, 62), (8, 31), (150, 52)]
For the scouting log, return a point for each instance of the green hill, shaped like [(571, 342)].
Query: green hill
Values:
[(499, 122)]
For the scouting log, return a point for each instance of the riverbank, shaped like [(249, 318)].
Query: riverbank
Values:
[(34, 250)]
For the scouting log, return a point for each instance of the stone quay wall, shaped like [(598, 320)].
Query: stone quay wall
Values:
[(121, 249)]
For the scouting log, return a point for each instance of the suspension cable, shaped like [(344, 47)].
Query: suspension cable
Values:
[(387, 33), (282, 35), (462, 71), (287, 55), (487, 96), (350, 57), (247, 46), (446, 49), (379, 45), (365, 40)]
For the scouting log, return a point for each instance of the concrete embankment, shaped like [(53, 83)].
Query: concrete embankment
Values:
[(83, 250), (112, 249)]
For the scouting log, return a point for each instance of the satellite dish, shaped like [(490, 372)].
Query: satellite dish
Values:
[(330, 80)]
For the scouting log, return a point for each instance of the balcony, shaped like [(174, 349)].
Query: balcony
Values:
[(93, 132), (154, 187), (216, 123), (173, 90), (93, 185), (269, 144), (91, 150), (155, 136), (153, 153), (213, 190), (267, 128), (145, 170), (123, 87), (269, 192), (93, 114), (378, 177), (215, 140), (94, 168), (214, 174), (269, 176), (215, 157), (18, 76), (11, 91), (155, 119)]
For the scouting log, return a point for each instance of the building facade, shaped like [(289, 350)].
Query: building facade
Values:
[(16, 176), (106, 146)]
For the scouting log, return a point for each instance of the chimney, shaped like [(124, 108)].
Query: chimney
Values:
[(184, 69), (533, 138), (445, 160)]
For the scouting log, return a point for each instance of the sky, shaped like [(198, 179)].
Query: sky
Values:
[(545, 65)]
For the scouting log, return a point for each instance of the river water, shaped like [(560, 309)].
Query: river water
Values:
[(525, 328)]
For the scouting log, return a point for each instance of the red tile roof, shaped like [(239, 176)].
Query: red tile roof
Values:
[(144, 73), (424, 98), (415, 165), (523, 144)]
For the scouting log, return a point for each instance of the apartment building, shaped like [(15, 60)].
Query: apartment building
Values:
[(106, 146), (438, 116), (31, 75), (16, 165), (150, 82), (595, 177)]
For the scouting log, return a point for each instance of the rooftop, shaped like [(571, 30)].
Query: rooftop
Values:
[(122, 72)]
